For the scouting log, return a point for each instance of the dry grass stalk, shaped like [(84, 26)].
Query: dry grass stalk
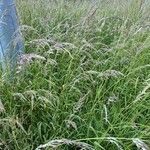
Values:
[(2, 109), (90, 16), (26, 59), (106, 114), (71, 124), (140, 144), (42, 42), (142, 93), (106, 74), (110, 73), (80, 103), (57, 143), (116, 142), (112, 99)]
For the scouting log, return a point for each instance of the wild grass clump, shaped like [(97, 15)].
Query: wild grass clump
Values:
[(84, 82)]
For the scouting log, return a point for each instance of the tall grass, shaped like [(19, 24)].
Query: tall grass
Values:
[(91, 90)]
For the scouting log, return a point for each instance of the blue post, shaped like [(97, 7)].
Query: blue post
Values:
[(11, 45)]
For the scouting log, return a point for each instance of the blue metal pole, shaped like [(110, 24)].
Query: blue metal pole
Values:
[(11, 45)]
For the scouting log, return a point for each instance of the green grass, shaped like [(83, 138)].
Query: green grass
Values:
[(94, 85)]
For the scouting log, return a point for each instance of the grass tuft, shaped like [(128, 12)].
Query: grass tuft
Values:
[(84, 80)]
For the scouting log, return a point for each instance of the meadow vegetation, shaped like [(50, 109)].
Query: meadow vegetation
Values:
[(91, 89)]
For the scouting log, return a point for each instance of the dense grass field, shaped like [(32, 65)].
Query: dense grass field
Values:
[(91, 89)]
